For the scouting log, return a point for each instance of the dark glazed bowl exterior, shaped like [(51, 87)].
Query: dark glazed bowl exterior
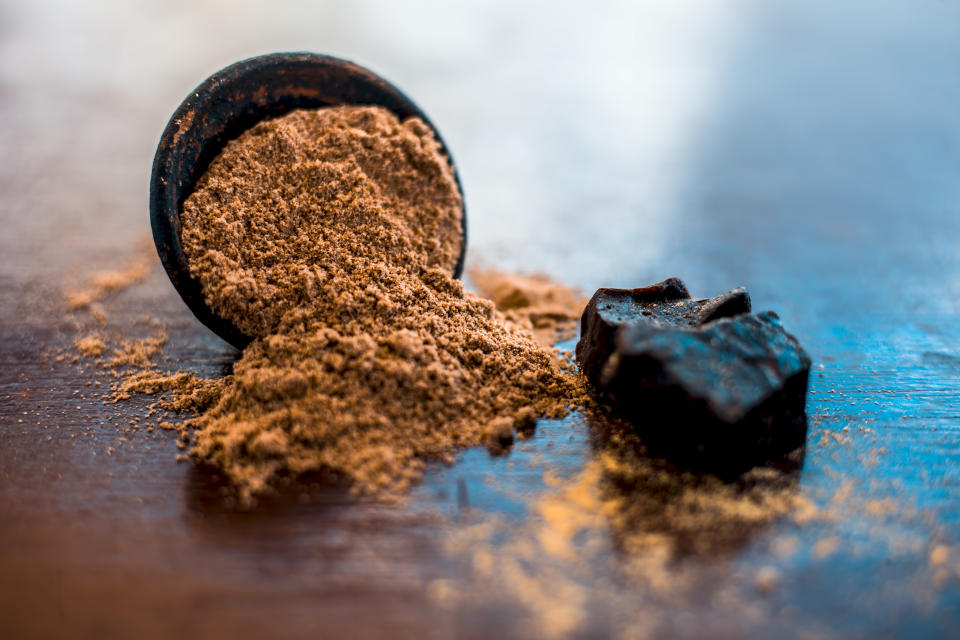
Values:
[(225, 105)]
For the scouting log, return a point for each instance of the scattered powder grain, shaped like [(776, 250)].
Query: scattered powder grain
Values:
[(631, 545), (650, 503), (189, 392), (549, 310), (137, 352), (626, 536), (98, 313), (103, 283), (330, 236), (939, 555), (90, 345), (825, 547)]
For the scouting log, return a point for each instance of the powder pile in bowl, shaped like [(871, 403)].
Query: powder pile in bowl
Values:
[(331, 236)]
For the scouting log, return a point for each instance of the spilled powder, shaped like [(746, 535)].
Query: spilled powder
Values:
[(651, 504), (137, 352), (330, 237), (103, 283), (549, 310), (190, 392), (92, 340), (635, 547), (90, 345), (626, 542)]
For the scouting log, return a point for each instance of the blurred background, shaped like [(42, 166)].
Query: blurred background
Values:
[(626, 125), (807, 150)]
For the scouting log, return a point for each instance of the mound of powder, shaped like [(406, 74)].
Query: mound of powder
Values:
[(298, 206), (331, 236)]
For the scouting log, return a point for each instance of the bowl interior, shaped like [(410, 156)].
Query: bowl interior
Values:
[(225, 105)]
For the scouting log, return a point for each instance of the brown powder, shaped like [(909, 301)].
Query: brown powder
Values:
[(90, 345), (137, 352), (103, 283), (650, 503), (321, 208), (622, 515), (551, 311), (189, 391), (330, 236)]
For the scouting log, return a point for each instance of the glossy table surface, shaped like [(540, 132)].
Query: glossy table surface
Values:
[(808, 152)]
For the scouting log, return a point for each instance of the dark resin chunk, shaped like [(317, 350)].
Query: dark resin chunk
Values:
[(726, 305), (705, 382), (666, 303)]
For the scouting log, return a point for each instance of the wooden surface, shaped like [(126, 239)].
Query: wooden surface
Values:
[(810, 153)]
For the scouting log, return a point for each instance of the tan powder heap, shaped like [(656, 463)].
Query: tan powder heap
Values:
[(549, 310), (317, 208), (331, 236)]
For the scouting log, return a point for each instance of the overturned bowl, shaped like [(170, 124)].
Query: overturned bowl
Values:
[(225, 105)]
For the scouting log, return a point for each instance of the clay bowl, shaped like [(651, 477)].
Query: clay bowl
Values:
[(225, 105)]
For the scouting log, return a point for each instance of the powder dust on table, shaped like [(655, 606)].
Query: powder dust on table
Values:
[(90, 345), (104, 283), (330, 236), (549, 310)]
